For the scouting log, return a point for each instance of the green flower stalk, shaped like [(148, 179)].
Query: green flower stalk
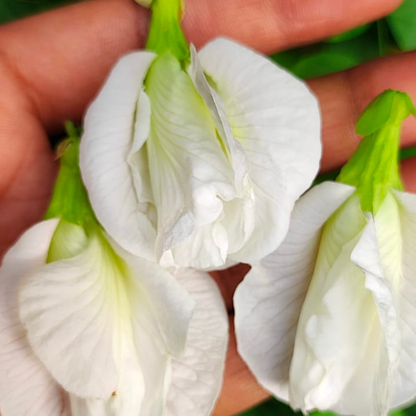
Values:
[(374, 167), (69, 199), (165, 29)]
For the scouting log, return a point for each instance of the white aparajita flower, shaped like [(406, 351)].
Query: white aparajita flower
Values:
[(202, 161), (328, 320), (88, 329), (103, 333)]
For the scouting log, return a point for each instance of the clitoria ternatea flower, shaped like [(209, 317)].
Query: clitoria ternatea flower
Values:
[(88, 329), (327, 321), (200, 155)]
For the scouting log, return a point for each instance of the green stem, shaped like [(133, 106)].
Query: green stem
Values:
[(374, 167), (69, 199), (165, 33)]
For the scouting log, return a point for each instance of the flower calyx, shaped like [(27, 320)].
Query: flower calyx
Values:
[(374, 167)]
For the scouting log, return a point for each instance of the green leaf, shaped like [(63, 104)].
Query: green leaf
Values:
[(402, 23), (270, 408), (16, 9), (275, 408), (386, 44), (327, 176), (351, 34), (406, 153), (325, 58), (410, 411), (6, 15), (398, 413)]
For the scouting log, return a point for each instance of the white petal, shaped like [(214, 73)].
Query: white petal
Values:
[(208, 246), (378, 280), (276, 119), (118, 116), (405, 382), (238, 220), (268, 301), (170, 302), (70, 309), (337, 318), (348, 339), (138, 158), (105, 324), (190, 174), (213, 101), (160, 327), (26, 388), (238, 216), (126, 401), (197, 376)]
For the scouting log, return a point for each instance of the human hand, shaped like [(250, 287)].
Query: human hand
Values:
[(52, 65)]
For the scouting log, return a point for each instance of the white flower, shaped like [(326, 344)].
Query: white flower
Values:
[(328, 321), (203, 163), (87, 329)]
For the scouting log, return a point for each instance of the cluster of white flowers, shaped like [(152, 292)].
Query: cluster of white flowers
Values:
[(193, 161)]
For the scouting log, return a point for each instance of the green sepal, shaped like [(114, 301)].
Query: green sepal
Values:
[(69, 199), (68, 241), (165, 33), (374, 167), (390, 106)]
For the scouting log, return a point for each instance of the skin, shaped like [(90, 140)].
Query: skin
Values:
[(52, 65)]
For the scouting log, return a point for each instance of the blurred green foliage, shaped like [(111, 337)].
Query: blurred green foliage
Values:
[(16, 9), (323, 58), (402, 23), (275, 408), (270, 408), (395, 33), (387, 36)]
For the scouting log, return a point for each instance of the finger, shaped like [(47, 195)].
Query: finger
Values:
[(408, 171), (228, 280), (272, 25), (344, 96), (240, 390), (27, 166), (62, 57)]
